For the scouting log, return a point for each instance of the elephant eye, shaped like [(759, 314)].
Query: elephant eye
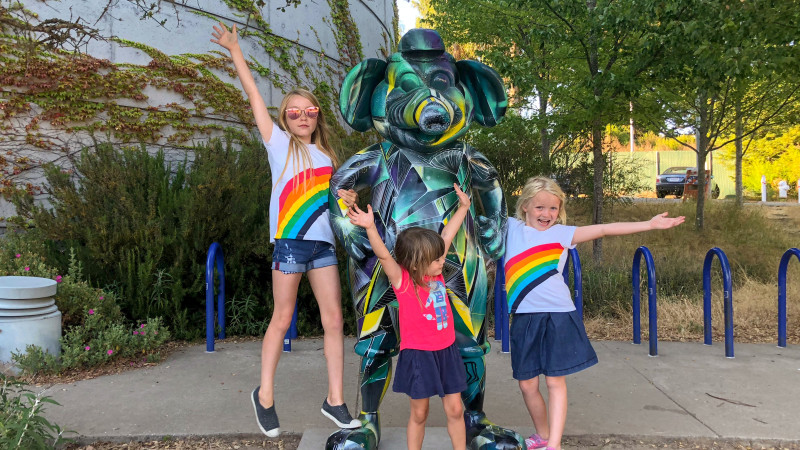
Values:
[(440, 82)]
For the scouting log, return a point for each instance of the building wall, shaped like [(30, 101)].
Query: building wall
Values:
[(312, 36)]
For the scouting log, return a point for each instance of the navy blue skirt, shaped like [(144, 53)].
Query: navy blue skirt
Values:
[(425, 373), (553, 344)]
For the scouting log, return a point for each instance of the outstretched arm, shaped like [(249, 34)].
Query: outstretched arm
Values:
[(230, 41), (449, 231), (366, 221), (592, 232)]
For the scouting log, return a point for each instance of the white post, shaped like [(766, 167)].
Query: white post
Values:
[(763, 188), (631, 103)]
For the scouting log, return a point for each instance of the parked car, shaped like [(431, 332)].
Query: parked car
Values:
[(671, 181)]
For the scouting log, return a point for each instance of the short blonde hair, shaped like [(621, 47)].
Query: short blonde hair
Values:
[(538, 184)]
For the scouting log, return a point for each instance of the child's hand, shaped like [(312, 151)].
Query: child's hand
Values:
[(360, 218), (463, 198), (225, 38), (662, 222), (349, 197)]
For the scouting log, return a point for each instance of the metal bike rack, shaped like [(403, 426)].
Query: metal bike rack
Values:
[(782, 293), (727, 297), (651, 298), (291, 333), (214, 257), (577, 278), (501, 321)]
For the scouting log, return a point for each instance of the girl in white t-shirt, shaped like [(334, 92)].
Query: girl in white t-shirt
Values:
[(547, 334), (302, 161)]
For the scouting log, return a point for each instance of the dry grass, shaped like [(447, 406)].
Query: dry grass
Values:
[(753, 239), (680, 319)]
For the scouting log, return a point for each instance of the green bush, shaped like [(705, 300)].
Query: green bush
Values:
[(21, 422), (98, 340), (141, 226)]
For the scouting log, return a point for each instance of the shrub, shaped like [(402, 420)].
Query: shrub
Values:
[(141, 226), (98, 340), (21, 422)]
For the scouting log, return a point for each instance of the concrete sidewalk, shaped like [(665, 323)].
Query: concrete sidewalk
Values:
[(688, 391)]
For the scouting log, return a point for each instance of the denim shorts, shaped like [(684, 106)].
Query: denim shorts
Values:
[(296, 256), (549, 343)]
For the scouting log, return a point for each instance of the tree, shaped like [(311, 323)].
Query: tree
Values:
[(718, 73)]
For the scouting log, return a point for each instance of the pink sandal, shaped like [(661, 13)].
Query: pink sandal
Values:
[(535, 441)]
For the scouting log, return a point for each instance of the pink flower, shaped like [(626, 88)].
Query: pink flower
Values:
[(135, 332), (110, 352), (142, 333), (101, 297), (141, 326), (91, 311), (58, 278), (27, 269), (87, 348), (18, 255), (155, 332)]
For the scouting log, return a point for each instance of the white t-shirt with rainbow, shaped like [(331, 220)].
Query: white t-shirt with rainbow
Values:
[(534, 263), (298, 207)]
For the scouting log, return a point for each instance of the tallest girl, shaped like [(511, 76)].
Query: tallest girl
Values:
[(302, 161)]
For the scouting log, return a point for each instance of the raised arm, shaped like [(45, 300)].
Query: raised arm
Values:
[(449, 231), (592, 232), (230, 41), (366, 221)]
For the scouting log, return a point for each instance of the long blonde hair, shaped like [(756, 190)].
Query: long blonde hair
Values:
[(320, 137), (538, 184)]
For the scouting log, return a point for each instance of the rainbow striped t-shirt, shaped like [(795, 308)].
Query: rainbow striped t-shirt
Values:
[(533, 264), (298, 206)]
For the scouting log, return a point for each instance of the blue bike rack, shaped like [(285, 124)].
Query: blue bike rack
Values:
[(214, 257), (501, 307), (651, 298), (577, 278), (782, 293), (291, 333), (727, 296)]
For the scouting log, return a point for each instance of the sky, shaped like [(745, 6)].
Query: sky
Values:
[(408, 15)]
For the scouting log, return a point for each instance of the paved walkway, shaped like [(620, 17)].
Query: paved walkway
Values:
[(689, 391)]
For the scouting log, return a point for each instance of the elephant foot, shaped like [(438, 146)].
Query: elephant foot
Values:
[(485, 435), (365, 437)]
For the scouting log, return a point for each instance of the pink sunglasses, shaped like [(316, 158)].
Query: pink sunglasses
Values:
[(294, 113)]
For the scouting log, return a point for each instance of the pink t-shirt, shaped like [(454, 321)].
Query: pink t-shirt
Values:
[(429, 325)]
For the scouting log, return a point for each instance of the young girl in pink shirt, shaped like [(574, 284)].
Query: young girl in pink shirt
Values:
[(429, 363)]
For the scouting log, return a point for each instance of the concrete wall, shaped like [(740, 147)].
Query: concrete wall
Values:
[(188, 31)]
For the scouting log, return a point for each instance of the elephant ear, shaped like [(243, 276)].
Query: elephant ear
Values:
[(487, 91), (356, 93)]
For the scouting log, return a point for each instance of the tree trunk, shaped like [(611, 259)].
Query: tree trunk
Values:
[(543, 131), (702, 151), (599, 164), (739, 153)]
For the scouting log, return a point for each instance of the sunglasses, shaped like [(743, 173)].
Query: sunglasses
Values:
[(294, 113)]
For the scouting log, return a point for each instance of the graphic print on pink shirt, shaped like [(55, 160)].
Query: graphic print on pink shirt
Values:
[(425, 323)]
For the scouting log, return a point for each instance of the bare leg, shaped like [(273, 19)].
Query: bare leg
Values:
[(416, 423), (536, 406), (284, 291), (557, 401), (325, 284), (454, 409)]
